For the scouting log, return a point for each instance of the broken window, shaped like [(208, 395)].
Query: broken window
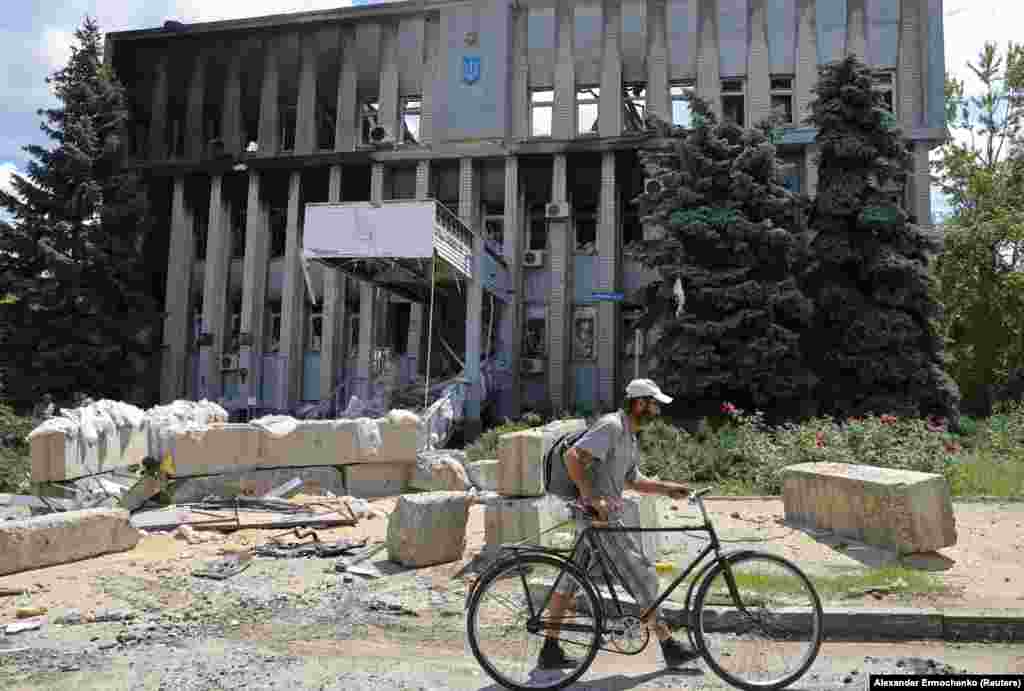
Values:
[(494, 226), (412, 108), (273, 334), (634, 107), (782, 99), (542, 105), (585, 219), (201, 224), (239, 213), (538, 228), (289, 115), (587, 98), (369, 115), (278, 231), (883, 83), (681, 113), (315, 332), (733, 101)]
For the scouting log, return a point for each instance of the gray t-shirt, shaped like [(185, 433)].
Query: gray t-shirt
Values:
[(616, 459)]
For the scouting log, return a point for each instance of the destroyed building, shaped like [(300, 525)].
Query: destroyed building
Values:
[(520, 121)]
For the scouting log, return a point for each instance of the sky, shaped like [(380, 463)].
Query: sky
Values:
[(35, 41)]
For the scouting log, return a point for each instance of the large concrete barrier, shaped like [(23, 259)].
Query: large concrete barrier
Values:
[(217, 449), (428, 528), (57, 456), (901, 510), (60, 538), (521, 457)]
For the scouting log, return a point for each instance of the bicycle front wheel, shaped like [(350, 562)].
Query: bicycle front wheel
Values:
[(510, 615), (758, 621)]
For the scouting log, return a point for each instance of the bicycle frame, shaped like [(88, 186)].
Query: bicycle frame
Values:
[(589, 536)]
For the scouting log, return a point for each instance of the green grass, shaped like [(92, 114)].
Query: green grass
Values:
[(985, 474)]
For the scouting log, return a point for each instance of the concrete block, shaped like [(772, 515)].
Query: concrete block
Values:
[(60, 538), (484, 474), (521, 457), (377, 479), (901, 510), (439, 471), (314, 442), (256, 483), (427, 529), (57, 456), (514, 520), (219, 448), (398, 442)]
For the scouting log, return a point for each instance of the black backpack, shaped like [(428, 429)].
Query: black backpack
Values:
[(556, 453)]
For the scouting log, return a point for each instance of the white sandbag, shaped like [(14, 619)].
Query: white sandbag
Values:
[(55, 425), (368, 436), (87, 426), (403, 417), (277, 426)]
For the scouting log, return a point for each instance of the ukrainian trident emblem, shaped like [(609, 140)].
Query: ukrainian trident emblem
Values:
[(470, 69)]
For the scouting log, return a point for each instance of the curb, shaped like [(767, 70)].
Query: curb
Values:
[(899, 624)]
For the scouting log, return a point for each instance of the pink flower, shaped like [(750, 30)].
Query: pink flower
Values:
[(952, 447), (728, 409), (888, 419), (819, 440)]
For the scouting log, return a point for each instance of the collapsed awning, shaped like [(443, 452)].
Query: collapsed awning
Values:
[(393, 243)]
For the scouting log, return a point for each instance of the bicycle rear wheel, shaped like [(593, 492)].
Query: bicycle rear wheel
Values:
[(509, 618), (770, 636)]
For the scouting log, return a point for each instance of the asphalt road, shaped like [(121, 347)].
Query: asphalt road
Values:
[(383, 662)]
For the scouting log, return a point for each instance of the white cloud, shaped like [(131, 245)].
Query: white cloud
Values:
[(204, 11), (969, 24), (7, 169), (55, 49)]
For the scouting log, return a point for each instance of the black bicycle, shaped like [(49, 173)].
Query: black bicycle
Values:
[(755, 617)]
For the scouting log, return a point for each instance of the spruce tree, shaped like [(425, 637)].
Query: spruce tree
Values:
[(83, 315), (874, 341), (720, 227)]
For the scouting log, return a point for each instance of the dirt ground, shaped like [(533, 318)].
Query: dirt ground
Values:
[(982, 571)]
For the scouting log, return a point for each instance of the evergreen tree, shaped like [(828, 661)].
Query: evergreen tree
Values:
[(874, 342), (722, 223), (83, 315)]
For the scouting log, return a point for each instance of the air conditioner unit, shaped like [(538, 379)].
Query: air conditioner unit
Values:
[(557, 210), (653, 186), (532, 366), (229, 361), (379, 135), (533, 258)]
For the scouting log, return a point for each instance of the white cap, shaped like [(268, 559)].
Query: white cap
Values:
[(645, 388)]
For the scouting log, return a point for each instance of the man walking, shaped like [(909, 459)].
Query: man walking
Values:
[(599, 466)]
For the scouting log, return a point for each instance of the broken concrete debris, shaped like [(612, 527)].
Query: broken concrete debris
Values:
[(24, 625), (428, 528), (483, 474), (64, 537), (441, 470), (221, 569)]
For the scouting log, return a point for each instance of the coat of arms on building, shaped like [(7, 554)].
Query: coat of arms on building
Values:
[(471, 68)]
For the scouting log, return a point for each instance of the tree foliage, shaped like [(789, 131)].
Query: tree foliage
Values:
[(723, 218), (83, 316), (874, 341), (981, 170)]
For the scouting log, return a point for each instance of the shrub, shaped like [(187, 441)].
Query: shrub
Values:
[(15, 458)]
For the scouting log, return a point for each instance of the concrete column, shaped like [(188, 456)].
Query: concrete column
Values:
[(608, 317), (254, 287), (269, 140), (333, 348), (422, 179), (305, 115), (158, 119), (417, 326), (806, 58), (811, 169), (293, 297), (919, 190), (709, 77), (856, 29), (367, 313), (759, 99), (177, 323), (194, 109), (559, 305), (346, 130), (231, 115), (909, 73), (610, 105), (377, 182), (430, 76), (658, 100), (215, 288), (564, 124), (511, 324), (520, 98), (469, 197), (388, 113)]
